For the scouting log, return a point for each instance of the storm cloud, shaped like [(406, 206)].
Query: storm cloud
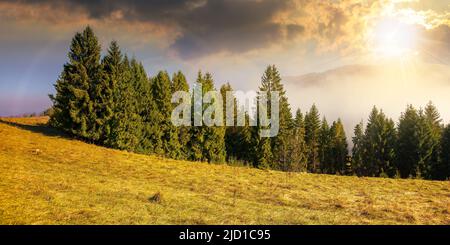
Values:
[(197, 28), (203, 27)]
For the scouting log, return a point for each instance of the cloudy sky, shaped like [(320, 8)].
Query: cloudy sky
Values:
[(345, 56)]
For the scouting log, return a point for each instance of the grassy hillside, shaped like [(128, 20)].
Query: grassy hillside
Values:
[(47, 178)]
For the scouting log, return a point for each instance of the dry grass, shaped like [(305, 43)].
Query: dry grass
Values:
[(49, 179)]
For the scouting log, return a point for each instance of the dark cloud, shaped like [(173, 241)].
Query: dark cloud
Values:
[(235, 26), (206, 26), (196, 28)]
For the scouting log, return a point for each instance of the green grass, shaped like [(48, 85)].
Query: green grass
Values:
[(47, 178)]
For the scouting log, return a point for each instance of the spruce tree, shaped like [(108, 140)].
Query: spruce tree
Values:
[(408, 144), (442, 171), (358, 165), (232, 133), (168, 144), (390, 136), (146, 108), (197, 133), (126, 122), (73, 104), (248, 143), (431, 146), (179, 83), (312, 128), (379, 145), (324, 163), (271, 82), (296, 144), (338, 148), (214, 149), (418, 142), (207, 142), (112, 72)]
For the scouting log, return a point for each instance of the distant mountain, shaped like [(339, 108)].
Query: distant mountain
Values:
[(367, 72)]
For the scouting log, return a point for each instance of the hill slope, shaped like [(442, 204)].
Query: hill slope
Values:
[(49, 179)]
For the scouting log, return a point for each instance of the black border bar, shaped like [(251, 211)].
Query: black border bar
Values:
[(171, 233)]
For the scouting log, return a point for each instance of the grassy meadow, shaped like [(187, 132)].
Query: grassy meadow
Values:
[(47, 178)]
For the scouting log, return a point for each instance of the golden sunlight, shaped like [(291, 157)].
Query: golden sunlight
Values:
[(393, 38)]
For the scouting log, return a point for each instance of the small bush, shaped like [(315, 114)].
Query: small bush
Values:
[(156, 198)]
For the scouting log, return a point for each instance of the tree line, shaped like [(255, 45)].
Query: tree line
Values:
[(111, 101)]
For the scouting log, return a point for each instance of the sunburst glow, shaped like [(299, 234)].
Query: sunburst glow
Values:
[(392, 38)]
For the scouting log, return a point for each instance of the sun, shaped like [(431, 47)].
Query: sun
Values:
[(393, 38)]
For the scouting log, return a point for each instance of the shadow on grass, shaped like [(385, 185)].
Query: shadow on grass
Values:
[(38, 128)]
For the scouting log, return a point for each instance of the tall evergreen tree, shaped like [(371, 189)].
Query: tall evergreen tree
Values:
[(324, 141), (126, 122), (442, 171), (179, 83), (390, 135), (73, 104), (232, 133), (271, 82), (112, 71), (338, 148), (168, 144), (214, 144), (207, 142), (413, 147), (379, 145), (145, 108), (419, 140), (248, 138), (358, 150), (297, 150), (312, 129), (197, 133), (431, 146)]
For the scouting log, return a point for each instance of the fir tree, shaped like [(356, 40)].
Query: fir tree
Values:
[(379, 143), (232, 137), (324, 151), (168, 144), (208, 142), (126, 123), (418, 144), (358, 150), (338, 148), (197, 133), (432, 135), (179, 83), (271, 82), (214, 144), (312, 129), (296, 144), (408, 142), (248, 138), (442, 171), (73, 104), (145, 107), (112, 71)]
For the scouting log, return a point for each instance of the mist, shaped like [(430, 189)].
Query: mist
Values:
[(350, 92)]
